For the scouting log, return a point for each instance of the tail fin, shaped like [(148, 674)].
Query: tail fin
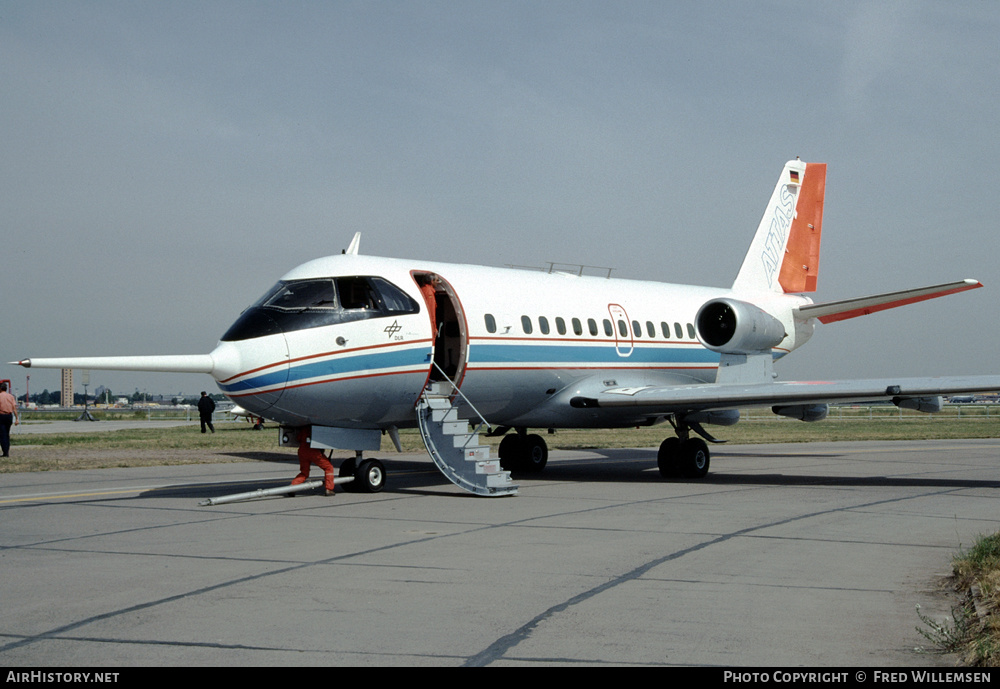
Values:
[(784, 254)]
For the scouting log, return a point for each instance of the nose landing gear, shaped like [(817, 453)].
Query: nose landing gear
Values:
[(369, 474)]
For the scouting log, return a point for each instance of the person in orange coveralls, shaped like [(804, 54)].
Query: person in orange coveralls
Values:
[(312, 455)]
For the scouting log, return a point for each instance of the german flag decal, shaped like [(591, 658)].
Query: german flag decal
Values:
[(795, 176)]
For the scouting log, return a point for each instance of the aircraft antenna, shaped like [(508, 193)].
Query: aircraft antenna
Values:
[(353, 248)]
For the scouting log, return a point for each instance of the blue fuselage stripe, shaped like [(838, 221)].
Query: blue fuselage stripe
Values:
[(480, 355), (589, 355), (331, 368)]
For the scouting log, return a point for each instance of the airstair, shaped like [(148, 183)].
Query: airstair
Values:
[(455, 449)]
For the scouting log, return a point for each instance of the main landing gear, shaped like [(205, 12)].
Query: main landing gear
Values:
[(683, 456), (369, 474), (522, 452), (685, 459)]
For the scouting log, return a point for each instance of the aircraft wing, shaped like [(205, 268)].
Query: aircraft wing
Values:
[(686, 398)]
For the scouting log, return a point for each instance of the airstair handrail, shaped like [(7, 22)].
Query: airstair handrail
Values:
[(482, 419)]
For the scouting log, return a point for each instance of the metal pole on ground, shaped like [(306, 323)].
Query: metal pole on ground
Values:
[(268, 492)]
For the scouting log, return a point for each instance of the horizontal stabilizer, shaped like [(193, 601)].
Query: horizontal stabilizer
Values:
[(834, 311)]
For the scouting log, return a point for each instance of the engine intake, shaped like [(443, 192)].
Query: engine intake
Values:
[(730, 326)]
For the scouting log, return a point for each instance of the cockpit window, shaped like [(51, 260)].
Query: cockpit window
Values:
[(300, 304), (394, 300), (356, 293), (304, 294)]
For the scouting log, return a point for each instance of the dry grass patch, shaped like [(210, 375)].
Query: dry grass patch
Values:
[(974, 631)]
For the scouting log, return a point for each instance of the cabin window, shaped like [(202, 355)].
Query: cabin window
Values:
[(636, 329), (622, 328), (577, 327), (665, 328), (650, 329), (543, 325), (691, 332), (608, 328), (526, 325), (491, 323), (560, 326), (678, 332), (592, 325)]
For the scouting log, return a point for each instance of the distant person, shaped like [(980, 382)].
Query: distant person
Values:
[(309, 456), (8, 416), (205, 408)]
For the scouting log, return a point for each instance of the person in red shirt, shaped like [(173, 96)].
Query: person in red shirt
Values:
[(8, 416), (309, 456)]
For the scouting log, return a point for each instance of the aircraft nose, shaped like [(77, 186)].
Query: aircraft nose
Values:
[(252, 372), (226, 361)]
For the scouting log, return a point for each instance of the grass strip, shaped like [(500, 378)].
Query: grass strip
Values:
[(974, 630)]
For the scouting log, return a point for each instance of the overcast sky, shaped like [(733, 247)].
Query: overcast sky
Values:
[(163, 163)]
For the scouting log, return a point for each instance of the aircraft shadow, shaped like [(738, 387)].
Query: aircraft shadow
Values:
[(631, 466), (403, 476), (612, 466)]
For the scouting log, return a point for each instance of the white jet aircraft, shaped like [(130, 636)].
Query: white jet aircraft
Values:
[(356, 346)]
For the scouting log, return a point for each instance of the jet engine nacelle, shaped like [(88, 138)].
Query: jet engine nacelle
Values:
[(730, 326)]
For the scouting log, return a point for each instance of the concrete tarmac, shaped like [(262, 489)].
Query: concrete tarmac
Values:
[(785, 555)]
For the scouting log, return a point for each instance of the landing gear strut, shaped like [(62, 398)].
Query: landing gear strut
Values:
[(683, 456), (522, 452)]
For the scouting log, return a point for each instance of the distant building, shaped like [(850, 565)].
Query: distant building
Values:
[(66, 399)]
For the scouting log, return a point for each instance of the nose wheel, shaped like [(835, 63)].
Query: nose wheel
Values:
[(369, 475)]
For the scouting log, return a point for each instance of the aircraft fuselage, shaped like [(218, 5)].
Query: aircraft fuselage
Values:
[(349, 341)]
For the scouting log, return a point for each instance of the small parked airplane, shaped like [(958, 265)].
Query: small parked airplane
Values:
[(357, 346)]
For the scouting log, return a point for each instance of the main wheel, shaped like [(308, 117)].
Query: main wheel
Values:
[(694, 458), (509, 452), (536, 454), (527, 453), (668, 456), (369, 477)]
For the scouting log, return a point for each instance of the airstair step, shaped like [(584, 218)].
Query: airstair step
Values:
[(466, 440), (439, 415), (477, 453), (501, 481), (455, 427)]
